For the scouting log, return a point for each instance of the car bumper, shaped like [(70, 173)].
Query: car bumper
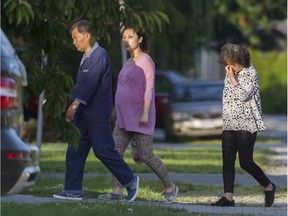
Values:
[(25, 181), (198, 128), (19, 163)]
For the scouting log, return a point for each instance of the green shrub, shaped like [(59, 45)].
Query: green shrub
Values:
[(272, 70)]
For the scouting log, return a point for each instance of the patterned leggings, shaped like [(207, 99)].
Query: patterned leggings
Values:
[(142, 151), (243, 142)]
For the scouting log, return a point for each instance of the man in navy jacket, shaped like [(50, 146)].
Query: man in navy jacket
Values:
[(90, 112)]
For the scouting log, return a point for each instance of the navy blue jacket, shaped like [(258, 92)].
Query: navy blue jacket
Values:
[(94, 87)]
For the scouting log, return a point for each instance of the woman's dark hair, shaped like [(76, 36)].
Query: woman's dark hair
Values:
[(234, 53), (144, 43)]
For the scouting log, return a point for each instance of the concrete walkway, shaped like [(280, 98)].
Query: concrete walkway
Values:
[(279, 178), (190, 208), (279, 208), (190, 178)]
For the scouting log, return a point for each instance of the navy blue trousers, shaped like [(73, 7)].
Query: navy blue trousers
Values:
[(98, 135)]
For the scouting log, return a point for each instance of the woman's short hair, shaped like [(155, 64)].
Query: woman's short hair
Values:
[(234, 53)]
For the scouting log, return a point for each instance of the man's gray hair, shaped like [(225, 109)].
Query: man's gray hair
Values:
[(81, 26)]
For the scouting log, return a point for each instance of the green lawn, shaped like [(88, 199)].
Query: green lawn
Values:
[(206, 159), (186, 160), (86, 209)]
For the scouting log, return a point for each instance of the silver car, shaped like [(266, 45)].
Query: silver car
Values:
[(19, 159), (195, 110), (164, 82)]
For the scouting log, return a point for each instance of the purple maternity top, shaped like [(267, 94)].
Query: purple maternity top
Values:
[(136, 84)]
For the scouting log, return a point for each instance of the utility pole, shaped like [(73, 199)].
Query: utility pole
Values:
[(123, 50)]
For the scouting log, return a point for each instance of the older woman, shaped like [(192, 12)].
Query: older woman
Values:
[(241, 122)]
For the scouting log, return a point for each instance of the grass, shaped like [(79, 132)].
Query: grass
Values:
[(206, 159), (177, 160), (92, 209), (86, 209), (149, 190)]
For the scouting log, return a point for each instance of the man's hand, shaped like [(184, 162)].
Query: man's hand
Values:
[(72, 110)]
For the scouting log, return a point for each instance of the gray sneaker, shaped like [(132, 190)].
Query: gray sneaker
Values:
[(171, 197), (111, 196)]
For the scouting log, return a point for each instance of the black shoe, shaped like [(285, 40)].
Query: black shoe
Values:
[(224, 202), (269, 196)]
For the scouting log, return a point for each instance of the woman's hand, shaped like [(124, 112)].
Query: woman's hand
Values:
[(231, 73), (143, 119), (229, 70), (145, 114)]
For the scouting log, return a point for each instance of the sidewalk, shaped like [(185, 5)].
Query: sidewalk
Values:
[(190, 178), (191, 208), (279, 208)]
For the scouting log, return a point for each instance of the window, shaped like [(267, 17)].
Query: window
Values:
[(197, 93)]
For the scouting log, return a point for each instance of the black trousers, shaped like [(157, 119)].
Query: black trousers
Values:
[(242, 142)]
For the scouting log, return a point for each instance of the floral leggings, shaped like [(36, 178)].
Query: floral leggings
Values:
[(142, 151)]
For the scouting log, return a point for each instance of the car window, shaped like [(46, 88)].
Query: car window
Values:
[(162, 84), (195, 93), (178, 78)]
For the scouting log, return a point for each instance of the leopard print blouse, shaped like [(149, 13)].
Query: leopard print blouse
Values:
[(242, 103)]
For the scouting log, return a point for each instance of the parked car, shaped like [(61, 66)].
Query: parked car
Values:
[(195, 110), (164, 82), (19, 160)]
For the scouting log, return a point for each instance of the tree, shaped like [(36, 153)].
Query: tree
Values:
[(43, 27), (206, 24), (195, 24), (251, 20)]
